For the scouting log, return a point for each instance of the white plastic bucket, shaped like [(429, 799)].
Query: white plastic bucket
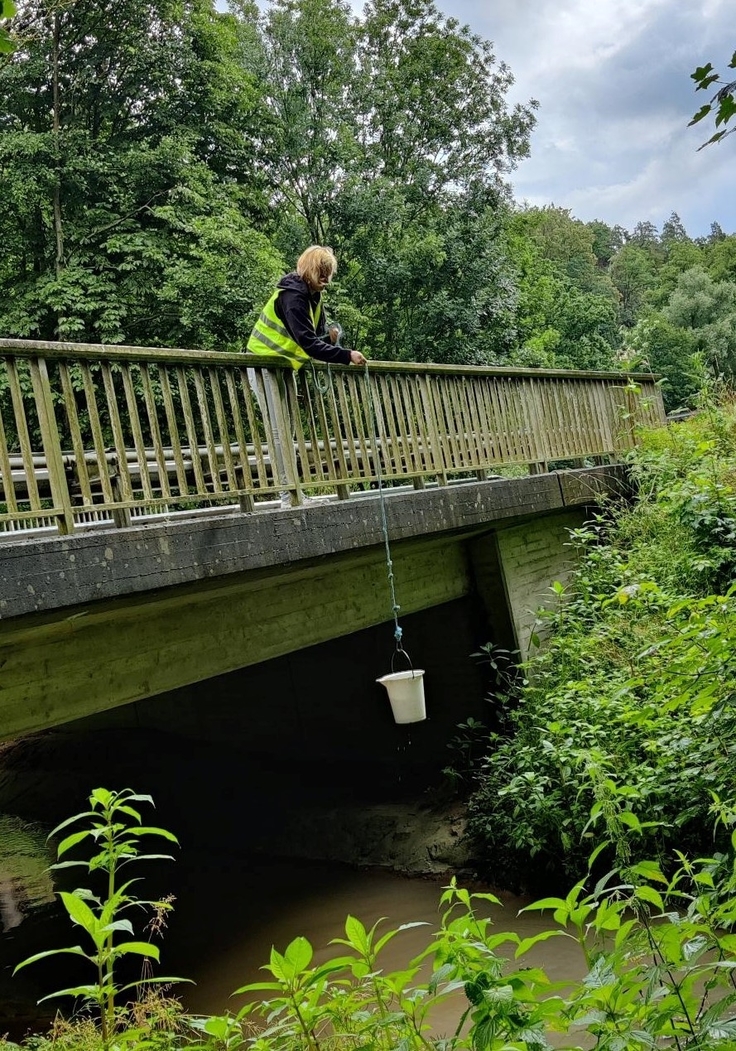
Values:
[(406, 694)]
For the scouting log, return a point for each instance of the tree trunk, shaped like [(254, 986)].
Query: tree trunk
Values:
[(58, 229)]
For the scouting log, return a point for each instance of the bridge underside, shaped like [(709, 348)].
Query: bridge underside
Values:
[(108, 618)]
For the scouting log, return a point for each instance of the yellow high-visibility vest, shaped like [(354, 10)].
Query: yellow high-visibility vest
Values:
[(270, 336)]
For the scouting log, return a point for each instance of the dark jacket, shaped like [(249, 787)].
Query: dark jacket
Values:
[(292, 307)]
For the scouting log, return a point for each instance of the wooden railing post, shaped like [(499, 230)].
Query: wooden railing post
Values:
[(280, 417), (121, 516), (58, 482)]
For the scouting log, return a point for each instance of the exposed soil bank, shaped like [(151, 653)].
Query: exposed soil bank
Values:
[(364, 817)]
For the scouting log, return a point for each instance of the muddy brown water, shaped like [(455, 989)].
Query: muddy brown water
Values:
[(227, 916), (274, 901)]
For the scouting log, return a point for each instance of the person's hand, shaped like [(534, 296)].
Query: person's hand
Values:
[(356, 358)]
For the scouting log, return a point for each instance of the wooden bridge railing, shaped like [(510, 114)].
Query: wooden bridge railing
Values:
[(90, 432)]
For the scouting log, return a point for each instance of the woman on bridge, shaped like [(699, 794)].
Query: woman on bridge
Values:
[(292, 325)]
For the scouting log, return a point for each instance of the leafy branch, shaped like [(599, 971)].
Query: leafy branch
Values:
[(7, 10), (723, 102)]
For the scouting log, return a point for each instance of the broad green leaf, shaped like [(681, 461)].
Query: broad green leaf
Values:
[(71, 841), (130, 812), (279, 967), (73, 951), (116, 925), (254, 987), (150, 830), (627, 817), (356, 935), (702, 112), (89, 992), (299, 954), (649, 894), (544, 903), (80, 912), (535, 939), (386, 938), (71, 821), (649, 870), (139, 949)]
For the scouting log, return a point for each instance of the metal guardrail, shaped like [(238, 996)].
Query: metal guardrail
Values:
[(92, 431)]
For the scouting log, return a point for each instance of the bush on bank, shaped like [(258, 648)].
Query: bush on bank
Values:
[(629, 708)]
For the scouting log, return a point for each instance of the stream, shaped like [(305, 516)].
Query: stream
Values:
[(231, 905)]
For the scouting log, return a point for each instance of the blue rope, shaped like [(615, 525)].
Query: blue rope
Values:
[(395, 607)]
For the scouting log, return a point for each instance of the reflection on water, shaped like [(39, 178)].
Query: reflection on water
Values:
[(24, 878), (231, 904)]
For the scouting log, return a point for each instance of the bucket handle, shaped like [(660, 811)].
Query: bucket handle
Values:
[(393, 655)]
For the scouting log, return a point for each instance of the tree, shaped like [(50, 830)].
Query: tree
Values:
[(116, 121), (434, 107), (558, 324), (673, 231), (607, 240), (721, 259), (681, 257), (672, 352), (389, 137), (303, 53), (645, 235), (633, 275), (722, 104), (707, 308), (567, 242)]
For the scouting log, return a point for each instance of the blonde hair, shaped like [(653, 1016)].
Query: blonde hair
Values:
[(315, 263)]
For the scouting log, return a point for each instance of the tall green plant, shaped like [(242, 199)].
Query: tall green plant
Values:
[(114, 829)]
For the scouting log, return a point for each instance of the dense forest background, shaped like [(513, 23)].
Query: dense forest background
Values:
[(163, 163)]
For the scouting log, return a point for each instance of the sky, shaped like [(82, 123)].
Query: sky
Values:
[(612, 78)]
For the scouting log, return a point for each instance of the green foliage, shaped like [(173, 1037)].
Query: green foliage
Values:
[(114, 828), (672, 352), (636, 682), (7, 10), (722, 104), (566, 316), (163, 168), (633, 275), (123, 177), (657, 952)]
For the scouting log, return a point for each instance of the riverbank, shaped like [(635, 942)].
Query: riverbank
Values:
[(383, 818)]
